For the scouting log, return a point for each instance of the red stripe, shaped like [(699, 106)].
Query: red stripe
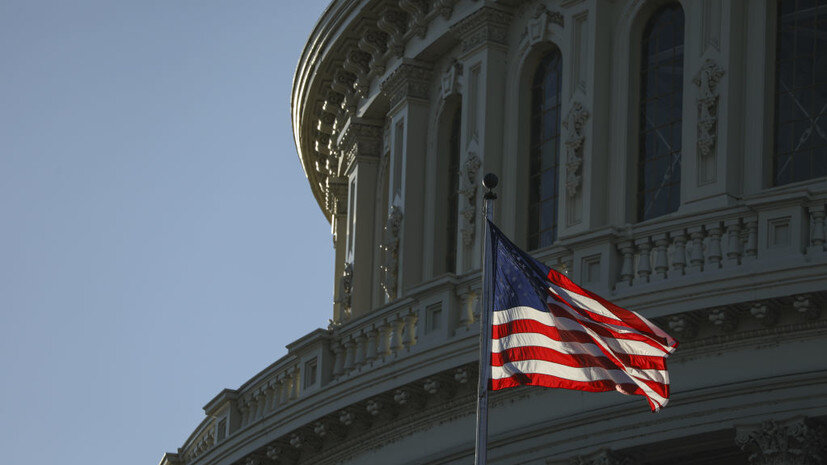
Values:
[(533, 326), (602, 330), (537, 379), (515, 354), (625, 315)]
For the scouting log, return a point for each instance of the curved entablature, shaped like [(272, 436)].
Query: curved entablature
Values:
[(354, 47)]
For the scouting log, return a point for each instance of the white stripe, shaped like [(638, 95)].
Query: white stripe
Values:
[(582, 301), (594, 306), (615, 345), (575, 348), (514, 341), (584, 374)]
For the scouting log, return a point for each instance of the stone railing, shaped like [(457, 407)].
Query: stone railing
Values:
[(739, 239), (280, 388), (375, 340), (665, 268)]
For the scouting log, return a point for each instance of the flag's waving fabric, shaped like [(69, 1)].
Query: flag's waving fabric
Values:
[(547, 331)]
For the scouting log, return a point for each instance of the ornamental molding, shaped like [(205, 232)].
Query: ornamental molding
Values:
[(410, 80), (445, 7), (601, 457), (707, 79), (336, 194), (394, 23), (389, 269), (451, 80), (538, 27), (486, 25), (796, 441), (360, 139), (449, 395), (417, 21), (375, 43), (575, 124)]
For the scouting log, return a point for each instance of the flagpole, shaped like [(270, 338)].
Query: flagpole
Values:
[(490, 181)]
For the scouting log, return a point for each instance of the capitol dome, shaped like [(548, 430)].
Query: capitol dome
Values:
[(670, 156)]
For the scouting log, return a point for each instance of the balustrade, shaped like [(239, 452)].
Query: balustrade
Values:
[(686, 247)]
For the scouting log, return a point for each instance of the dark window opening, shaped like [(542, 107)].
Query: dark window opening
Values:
[(661, 97)]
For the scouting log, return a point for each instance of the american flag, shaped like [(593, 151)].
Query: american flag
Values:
[(548, 331)]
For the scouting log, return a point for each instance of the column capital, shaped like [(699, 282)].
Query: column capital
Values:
[(486, 25), (361, 139), (410, 80)]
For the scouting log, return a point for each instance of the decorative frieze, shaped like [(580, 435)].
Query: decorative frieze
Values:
[(359, 139), (389, 269), (803, 305), (410, 80), (764, 313), (602, 457), (707, 80), (797, 441), (682, 326), (575, 124), (723, 318), (486, 25)]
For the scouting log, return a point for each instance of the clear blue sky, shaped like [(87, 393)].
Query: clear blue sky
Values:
[(159, 240)]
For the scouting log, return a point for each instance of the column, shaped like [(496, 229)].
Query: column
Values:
[(407, 91), (360, 145)]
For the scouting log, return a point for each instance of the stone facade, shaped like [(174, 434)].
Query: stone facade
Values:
[(738, 274)]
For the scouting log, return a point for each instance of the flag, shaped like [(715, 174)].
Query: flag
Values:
[(548, 331)]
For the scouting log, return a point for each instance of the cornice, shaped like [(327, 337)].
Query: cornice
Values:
[(350, 49), (486, 25), (410, 80), (383, 412)]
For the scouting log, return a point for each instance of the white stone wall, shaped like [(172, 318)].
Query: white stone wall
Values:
[(737, 273)]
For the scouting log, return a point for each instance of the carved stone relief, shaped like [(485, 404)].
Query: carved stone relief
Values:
[(389, 270), (410, 79), (346, 285), (574, 123), (468, 191), (798, 441), (487, 24), (451, 80), (537, 29), (416, 10), (603, 457), (707, 80)]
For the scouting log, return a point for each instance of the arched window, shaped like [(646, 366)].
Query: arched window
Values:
[(453, 194), (800, 92), (661, 96), (544, 151)]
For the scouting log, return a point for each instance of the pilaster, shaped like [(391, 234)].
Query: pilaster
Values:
[(483, 37), (360, 144), (407, 92)]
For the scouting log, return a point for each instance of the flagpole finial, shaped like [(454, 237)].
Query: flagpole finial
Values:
[(490, 181)]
